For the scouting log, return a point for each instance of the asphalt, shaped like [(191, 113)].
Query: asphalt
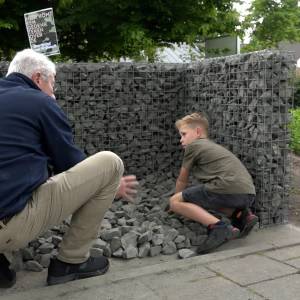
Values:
[(265, 265)]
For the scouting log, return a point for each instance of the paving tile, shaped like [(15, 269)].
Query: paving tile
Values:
[(251, 269), (284, 253), (175, 277), (294, 262), (285, 288), (125, 290), (213, 288)]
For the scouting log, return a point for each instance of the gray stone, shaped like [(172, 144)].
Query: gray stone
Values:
[(171, 235), (145, 237), (56, 240), (157, 239), (186, 253), (144, 250), (115, 244), (45, 248), (32, 265), (179, 239), (105, 225), (169, 248), (125, 229), (155, 250), (96, 252), (129, 239), (118, 253), (107, 235), (45, 260), (27, 253), (107, 251), (132, 222), (99, 243), (130, 252), (109, 215)]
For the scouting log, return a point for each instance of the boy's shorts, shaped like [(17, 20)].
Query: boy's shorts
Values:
[(200, 196)]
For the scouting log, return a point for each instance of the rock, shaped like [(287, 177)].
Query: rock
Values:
[(145, 237), (169, 248), (144, 250), (129, 239), (186, 253), (108, 234), (157, 239), (155, 250), (115, 244), (45, 248), (32, 265), (130, 252), (27, 253), (96, 252), (45, 260)]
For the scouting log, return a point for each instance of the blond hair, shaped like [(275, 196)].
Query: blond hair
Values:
[(193, 120)]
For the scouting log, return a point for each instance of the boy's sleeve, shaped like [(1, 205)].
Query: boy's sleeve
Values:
[(188, 158), (57, 138)]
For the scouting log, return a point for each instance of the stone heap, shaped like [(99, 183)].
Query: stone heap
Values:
[(129, 230)]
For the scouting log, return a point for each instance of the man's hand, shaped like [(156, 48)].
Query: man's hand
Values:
[(128, 188)]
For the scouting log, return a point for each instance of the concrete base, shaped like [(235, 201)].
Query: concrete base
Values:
[(251, 268)]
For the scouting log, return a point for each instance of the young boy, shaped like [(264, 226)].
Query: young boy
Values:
[(224, 185)]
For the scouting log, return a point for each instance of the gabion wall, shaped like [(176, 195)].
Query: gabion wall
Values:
[(126, 108), (130, 108), (247, 98)]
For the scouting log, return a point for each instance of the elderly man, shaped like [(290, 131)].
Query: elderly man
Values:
[(35, 134)]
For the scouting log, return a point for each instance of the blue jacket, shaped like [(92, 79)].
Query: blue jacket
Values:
[(34, 133)]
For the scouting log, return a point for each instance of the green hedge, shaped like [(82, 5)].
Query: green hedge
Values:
[(295, 130), (297, 92)]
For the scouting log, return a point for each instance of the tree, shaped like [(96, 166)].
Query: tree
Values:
[(271, 22), (111, 29)]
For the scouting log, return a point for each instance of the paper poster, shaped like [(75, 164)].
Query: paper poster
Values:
[(42, 32)]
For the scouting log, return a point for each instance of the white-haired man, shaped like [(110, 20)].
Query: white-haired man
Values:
[(34, 135)]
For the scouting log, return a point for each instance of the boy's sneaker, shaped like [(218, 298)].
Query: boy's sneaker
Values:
[(61, 272), (7, 276), (217, 236), (245, 221)]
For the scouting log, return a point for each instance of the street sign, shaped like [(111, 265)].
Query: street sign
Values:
[(41, 31)]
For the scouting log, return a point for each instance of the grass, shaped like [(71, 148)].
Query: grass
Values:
[(295, 131)]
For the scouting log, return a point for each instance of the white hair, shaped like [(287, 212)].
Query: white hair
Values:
[(28, 62)]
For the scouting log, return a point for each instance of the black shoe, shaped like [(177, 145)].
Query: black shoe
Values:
[(217, 236), (61, 272), (7, 276), (245, 221)]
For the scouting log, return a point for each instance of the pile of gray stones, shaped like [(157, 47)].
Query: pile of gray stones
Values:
[(128, 230)]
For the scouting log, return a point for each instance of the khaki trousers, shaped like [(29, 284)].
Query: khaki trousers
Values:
[(85, 191)]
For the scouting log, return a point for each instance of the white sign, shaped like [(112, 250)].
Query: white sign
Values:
[(41, 31)]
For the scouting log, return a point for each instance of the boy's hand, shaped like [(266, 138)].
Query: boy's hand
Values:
[(128, 188)]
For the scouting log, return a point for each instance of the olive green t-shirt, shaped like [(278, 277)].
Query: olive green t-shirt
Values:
[(217, 168)]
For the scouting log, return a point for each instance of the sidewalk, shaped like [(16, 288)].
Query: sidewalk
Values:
[(265, 265)]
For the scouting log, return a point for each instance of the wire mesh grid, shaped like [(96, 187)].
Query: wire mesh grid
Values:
[(247, 99), (126, 108)]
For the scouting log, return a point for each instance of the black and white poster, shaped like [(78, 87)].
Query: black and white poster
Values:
[(42, 32)]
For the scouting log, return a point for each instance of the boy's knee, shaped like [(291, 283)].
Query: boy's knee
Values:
[(174, 200), (111, 160)]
